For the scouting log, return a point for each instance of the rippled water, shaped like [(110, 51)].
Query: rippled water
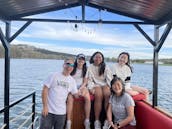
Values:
[(28, 75)]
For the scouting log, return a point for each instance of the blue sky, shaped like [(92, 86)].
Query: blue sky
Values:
[(88, 38)]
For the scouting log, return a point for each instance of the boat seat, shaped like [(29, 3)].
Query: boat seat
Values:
[(78, 115), (139, 97), (149, 118)]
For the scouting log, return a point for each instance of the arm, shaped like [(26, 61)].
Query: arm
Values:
[(109, 76), (129, 118), (109, 115), (44, 100), (85, 81), (90, 80)]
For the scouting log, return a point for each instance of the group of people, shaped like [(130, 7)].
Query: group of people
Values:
[(77, 80)]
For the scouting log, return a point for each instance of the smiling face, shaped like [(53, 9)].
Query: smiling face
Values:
[(98, 59), (80, 62), (123, 59), (117, 87), (68, 66)]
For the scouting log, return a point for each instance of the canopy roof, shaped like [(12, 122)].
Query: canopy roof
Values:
[(150, 11)]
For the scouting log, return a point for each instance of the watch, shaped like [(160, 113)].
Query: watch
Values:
[(118, 125)]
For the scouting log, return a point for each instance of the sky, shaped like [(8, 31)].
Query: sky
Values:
[(111, 40)]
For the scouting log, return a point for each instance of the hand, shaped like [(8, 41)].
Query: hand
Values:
[(111, 125), (80, 92), (45, 111), (115, 127)]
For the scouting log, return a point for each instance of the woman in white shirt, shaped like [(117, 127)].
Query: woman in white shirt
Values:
[(78, 74), (99, 77), (123, 70)]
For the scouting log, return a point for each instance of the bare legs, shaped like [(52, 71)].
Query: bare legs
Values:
[(87, 106), (106, 94), (134, 90), (99, 94), (141, 90), (98, 98)]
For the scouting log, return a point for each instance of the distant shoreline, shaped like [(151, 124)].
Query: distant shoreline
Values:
[(133, 62), (21, 51)]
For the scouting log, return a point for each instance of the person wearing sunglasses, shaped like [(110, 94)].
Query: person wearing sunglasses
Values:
[(54, 94), (78, 74)]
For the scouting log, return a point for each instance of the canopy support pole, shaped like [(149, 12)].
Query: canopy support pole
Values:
[(6, 46), (157, 44), (155, 68)]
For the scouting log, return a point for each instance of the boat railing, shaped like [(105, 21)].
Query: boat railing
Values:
[(31, 119)]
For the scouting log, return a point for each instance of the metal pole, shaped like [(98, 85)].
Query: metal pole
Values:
[(155, 68), (33, 110), (7, 78)]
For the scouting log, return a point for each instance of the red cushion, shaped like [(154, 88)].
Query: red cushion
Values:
[(135, 97), (82, 98), (139, 97), (149, 118)]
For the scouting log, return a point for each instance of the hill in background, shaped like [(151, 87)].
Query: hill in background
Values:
[(26, 51)]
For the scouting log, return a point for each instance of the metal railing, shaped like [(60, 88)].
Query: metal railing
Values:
[(31, 116)]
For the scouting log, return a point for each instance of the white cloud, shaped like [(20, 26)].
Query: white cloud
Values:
[(130, 41), (86, 34)]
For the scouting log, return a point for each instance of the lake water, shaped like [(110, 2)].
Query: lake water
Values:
[(28, 75)]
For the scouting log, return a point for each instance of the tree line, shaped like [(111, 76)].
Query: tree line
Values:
[(27, 51)]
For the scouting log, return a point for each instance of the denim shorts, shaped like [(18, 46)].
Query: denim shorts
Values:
[(52, 120)]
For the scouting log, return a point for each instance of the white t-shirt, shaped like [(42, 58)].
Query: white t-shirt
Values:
[(59, 87), (95, 80), (121, 71), (78, 77)]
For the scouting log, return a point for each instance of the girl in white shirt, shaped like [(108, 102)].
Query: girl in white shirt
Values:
[(78, 74), (99, 77), (123, 70)]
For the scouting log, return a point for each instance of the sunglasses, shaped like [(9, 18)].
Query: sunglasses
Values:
[(69, 64)]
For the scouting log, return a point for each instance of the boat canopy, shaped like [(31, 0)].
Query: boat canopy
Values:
[(157, 12)]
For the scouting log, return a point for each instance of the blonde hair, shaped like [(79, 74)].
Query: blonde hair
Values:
[(72, 59)]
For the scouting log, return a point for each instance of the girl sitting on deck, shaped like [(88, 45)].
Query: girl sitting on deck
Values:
[(78, 74), (123, 70)]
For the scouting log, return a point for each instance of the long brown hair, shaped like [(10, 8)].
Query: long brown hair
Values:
[(102, 64), (84, 68)]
